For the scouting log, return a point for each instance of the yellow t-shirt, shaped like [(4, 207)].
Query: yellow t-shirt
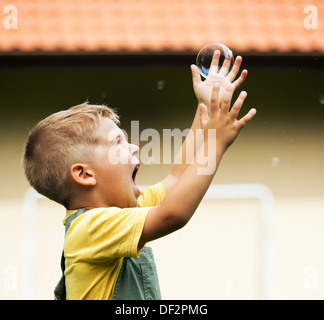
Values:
[(97, 241)]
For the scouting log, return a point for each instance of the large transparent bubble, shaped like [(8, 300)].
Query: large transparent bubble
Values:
[(215, 61)]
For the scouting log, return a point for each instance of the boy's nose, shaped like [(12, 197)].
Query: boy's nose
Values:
[(133, 149)]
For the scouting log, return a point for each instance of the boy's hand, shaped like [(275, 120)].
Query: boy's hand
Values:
[(203, 89), (223, 118)]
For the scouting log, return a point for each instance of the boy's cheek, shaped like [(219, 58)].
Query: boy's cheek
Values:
[(118, 156)]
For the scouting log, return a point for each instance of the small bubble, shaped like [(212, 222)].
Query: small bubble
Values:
[(160, 85), (275, 161), (321, 99), (103, 95)]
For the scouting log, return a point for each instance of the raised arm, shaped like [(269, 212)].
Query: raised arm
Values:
[(179, 205), (203, 91)]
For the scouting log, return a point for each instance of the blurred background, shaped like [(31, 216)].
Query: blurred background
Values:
[(260, 233)]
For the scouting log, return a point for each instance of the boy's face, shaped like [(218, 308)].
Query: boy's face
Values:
[(115, 166)]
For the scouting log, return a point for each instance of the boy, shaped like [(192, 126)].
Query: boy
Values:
[(80, 158)]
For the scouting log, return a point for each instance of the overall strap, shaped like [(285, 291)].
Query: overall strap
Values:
[(72, 217), (60, 290)]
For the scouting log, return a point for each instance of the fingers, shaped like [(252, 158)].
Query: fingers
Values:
[(214, 105), (235, 69), (203, 114), (238, 105), (236, 109), (226, 65), (233, 73), (241, 78), (213, 69), (226, 102), (242, 122), (195, 74)]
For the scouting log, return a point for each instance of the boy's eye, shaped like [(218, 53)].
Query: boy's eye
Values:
[(119, 141)]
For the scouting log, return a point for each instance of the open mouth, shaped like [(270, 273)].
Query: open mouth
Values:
[(135, 172)]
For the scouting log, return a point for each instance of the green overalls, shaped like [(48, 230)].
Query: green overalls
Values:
[(137, 278)]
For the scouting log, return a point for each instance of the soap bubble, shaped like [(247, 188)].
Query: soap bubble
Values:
[(160, 85), (321, 99), (275, 161), (221, 66)]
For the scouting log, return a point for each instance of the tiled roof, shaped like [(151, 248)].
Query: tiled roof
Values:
[(161, 25)]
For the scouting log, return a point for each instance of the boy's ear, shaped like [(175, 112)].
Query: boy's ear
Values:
[(83, 175)]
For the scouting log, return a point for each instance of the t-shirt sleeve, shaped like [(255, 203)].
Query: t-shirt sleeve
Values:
[(152, 196), (110, 233), (114, 232)]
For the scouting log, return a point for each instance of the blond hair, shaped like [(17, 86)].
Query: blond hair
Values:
[(58, 141)]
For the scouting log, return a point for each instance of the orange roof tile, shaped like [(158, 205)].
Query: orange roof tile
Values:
[(161, 25)]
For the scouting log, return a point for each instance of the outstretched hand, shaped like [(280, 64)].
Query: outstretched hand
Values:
[(223, 117), (203, 89)]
